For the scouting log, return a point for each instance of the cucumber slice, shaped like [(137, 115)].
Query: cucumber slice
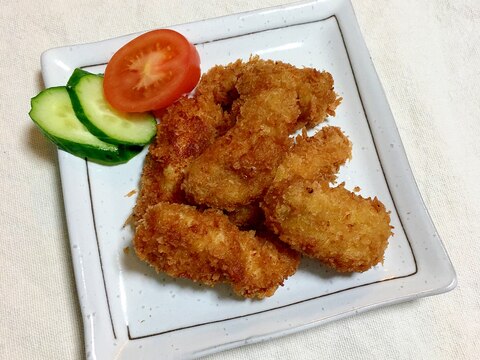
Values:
[(101, 119), (53, 113)]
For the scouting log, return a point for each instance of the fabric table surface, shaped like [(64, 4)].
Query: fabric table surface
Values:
[(427, 56)]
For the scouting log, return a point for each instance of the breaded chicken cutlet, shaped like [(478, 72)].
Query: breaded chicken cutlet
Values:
[(206, 247), (341, 229), (318, 157), (236, 169), (184, 131)]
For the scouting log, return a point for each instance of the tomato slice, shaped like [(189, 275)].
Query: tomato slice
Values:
[(151, 71)]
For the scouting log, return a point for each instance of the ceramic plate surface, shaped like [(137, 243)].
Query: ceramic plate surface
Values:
[(130, 311)]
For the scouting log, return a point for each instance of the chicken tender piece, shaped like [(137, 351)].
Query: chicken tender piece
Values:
[(341, 229), (315, 93), (335, 226), (153, 187), (219, 83), (230, 85), (239, 166), (185, 129), (318, 157), (206, 247)]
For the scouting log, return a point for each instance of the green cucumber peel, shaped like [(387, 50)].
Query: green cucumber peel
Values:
[(101, 119), (51, 110)]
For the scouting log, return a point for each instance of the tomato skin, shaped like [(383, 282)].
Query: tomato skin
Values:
[(193, 78), (151, 71), (194, 75)]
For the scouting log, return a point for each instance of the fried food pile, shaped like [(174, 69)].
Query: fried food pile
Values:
[(228, 196)]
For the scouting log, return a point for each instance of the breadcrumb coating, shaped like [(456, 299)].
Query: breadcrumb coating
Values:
[(318, 157), (341, 229), (238, 167), (206, 247), (271, 101)]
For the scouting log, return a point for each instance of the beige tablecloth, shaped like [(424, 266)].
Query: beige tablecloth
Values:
[(427, 56)]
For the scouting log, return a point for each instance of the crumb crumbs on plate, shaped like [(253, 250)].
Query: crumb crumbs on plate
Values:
[(131, 193), (128, 221)]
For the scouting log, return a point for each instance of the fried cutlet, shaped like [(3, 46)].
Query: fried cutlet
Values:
[(236, 169), (206, 247), (318, 157), (341, 229), (185, 129)]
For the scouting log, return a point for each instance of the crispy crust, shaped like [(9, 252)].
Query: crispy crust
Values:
[(185, 130), (272, 100), (247, 217), (238, 167), (206, 247), (344, 231), (314, 89), (318, 157), (341, 229)]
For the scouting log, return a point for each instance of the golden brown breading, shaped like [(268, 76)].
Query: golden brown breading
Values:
[(185, 129), (314, 89), (206, 247), (230, 85), (238, 167), (153, 187), (341, 229), (318, 157), (219, 83), (271, 100)]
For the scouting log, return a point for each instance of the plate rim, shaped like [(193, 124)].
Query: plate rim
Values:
[(61, 58)]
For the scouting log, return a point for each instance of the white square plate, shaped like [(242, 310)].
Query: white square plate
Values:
[(130, 310)]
